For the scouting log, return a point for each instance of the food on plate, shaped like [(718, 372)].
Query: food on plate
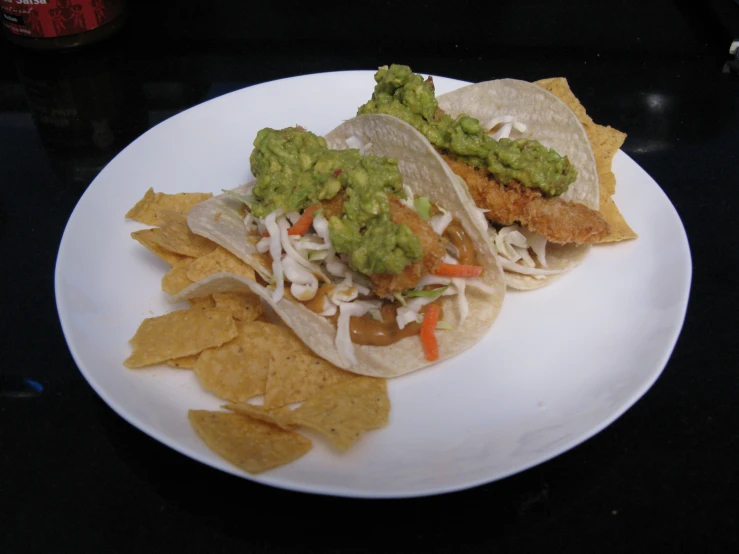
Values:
[(526, 159), (248, 443), (148, 239), (180, 333), (295, 376), (344, 411), (237, 371), (355, 247), (238, 353), (605, 141), (175, 236), (145, 211)]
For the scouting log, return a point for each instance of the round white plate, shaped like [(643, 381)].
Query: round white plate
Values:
[(559, 364)]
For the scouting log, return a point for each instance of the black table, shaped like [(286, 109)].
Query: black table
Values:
[(75, 477)]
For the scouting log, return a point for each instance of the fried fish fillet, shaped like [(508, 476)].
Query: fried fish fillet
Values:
[(385, 285), (551, 217)]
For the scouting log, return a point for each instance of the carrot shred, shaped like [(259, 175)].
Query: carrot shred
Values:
[(428, 334), (458, 270), (303, 224)]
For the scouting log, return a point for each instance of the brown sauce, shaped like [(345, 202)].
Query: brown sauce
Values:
[(317, 303), (456, 234), (367, 330)]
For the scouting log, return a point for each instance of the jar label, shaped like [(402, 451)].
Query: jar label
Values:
[(56, 18)]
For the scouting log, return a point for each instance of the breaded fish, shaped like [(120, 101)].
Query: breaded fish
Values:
[(551, 217), (385, 285)]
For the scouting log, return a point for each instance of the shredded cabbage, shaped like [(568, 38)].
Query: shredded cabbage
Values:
[(275, 251), (293, 260), (512, 244), (439, 223)]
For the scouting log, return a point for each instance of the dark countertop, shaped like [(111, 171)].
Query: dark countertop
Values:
[(75, 477)]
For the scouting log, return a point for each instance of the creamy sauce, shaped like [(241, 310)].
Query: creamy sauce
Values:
[(367, 330), (318, 302), (456, 234)]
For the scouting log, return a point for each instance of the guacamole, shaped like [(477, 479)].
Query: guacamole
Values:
[(401, 93), (295, 169)]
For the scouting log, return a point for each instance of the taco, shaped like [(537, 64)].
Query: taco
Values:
[(358, 250), (525, 158)]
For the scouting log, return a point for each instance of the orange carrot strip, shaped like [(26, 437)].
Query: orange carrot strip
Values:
[(458, 270), (428, 335), (303, 224)]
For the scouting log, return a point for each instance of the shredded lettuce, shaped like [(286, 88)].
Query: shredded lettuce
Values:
[(423, 207), (427, 293)]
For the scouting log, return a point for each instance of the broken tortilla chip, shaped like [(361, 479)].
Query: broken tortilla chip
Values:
[(218, 261), (620, 230), (180, 333), (280, 416), (186, 362), (237, 370), (294, 377), (249, 444), (176, 278), (148, 239), (175, 236), (145, 210), (605, 142), (244, 306), (345, 411)]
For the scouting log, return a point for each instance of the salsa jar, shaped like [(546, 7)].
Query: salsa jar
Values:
[(60, 24)]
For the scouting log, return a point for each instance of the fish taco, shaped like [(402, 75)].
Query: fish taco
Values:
[(525, 158), (366, 246)]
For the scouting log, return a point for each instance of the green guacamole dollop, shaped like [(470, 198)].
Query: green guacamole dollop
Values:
[(295, 169), (401, 93)]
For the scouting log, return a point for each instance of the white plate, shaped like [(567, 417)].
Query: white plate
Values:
[(559, 365)]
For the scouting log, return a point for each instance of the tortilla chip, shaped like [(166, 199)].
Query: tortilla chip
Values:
[(249, 444), (186, 362), (265, 318), (202, 302), (605, 142), (219, 260), (345, 411), (145, 210), (178, 334), (282, 417), (176, 236), (560, 88), (620, 230), (237, 370), (295, 377), (243, 306), (148, 239), (176, 279)]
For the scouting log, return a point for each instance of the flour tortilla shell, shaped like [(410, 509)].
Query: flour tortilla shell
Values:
[(427, 175), (551, 122)]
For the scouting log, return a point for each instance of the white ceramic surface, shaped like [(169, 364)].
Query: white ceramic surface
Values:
[(558, 366)]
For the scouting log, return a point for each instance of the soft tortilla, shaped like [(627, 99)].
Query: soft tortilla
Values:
[(551, 122), (427, 175)]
